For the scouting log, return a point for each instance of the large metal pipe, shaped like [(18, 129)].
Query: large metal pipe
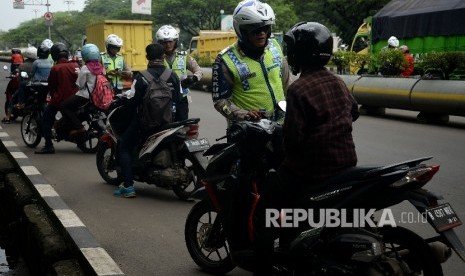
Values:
[(433, 96)]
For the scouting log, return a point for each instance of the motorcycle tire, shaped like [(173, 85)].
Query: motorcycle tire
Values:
[(30, 130), (198, 227), (90, 143), (184, 191), (420, 259), (106, 164)]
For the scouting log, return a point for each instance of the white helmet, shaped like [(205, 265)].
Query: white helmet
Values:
[(113, 40), (250, 15), (393, 42), (167, 33), (47, 43), (30, 52)]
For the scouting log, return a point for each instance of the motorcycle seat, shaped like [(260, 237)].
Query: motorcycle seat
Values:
[(180, 123), (350, 174)]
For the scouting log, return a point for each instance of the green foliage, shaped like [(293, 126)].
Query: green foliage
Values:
[(348, 61), (388, 62), (203, 61), (340, 16), (446, 63)]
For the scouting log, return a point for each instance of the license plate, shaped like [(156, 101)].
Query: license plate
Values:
[(443, 217), (195, 145)]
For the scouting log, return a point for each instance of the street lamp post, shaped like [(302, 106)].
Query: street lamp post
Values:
[(221, 18)]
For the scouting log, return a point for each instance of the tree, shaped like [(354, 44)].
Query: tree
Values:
[(340, 16)]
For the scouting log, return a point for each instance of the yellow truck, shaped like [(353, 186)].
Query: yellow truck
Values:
[(136, 36), (210, 42)]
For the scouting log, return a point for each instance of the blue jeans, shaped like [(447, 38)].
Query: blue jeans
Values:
[(48, 119), (126, 145)]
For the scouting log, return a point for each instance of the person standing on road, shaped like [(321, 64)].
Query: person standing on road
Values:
[(242, 88), (129, 139), (115, 66), (180, 63), (61, 85)]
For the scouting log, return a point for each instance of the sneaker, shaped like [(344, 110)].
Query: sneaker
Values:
[(125, 192), (5, 121), (46, 150)]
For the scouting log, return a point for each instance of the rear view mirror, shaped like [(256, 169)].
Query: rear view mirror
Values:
[(282, 105), (24, 75), (5, 67)]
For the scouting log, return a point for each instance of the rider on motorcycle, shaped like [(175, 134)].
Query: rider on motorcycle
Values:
[(86, 81), (17, 100), (317, 129)]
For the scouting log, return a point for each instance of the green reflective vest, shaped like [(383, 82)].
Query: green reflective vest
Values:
[(179, 67), (257, 84), (113, 64)]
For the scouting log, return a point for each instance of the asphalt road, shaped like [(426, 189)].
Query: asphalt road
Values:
[(145, 235)]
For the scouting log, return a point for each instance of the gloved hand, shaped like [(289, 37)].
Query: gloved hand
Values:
[(189, 81)]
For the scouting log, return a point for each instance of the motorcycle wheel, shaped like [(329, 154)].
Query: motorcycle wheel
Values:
[(30, 130), (184, 190), (213, 258), (90, 143), (106, 164), (420, 260)]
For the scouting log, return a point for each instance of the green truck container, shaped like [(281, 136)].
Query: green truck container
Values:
[(136, 36), (425, 26)]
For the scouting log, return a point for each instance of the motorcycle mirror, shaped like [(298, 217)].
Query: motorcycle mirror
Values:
[(5, 67), (24, 75), (282, 105)]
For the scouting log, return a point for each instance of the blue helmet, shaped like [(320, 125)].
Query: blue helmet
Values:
[(90, 52)]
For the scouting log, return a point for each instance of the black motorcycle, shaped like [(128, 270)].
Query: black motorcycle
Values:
[(36, 98), (219, 228)]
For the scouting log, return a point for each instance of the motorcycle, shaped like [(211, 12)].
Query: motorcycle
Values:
[(36, 98), (12, 87), (171, 158), (219, 229)]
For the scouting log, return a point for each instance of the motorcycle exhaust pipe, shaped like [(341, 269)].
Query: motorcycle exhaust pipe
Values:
[(440, 251)]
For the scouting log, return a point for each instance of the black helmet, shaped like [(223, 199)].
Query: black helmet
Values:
[(43, 52), (309, 44), (16, 51), (59, 50)]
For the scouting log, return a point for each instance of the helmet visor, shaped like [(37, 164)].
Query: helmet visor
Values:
[(257, 27)]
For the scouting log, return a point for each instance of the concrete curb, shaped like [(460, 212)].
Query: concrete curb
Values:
[(92, 257)]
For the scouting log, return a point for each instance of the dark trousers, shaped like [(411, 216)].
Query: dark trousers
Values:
[(48, 119), (282, 190), (182, 110), (126, 144), (69, 108)]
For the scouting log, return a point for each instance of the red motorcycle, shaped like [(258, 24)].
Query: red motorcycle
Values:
[(11, 88)]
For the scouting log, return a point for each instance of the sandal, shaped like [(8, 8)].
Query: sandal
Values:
[(5, 121)]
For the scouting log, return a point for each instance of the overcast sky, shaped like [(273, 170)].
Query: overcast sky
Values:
[(11, 18)]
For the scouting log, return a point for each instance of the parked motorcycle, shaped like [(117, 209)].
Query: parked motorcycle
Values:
[(36, 98), (219, 228), (171, 158)]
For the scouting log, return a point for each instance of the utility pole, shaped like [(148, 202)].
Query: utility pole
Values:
[(68, 2), (49, 23)]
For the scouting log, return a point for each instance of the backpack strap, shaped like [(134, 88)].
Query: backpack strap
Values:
[(149, 77)]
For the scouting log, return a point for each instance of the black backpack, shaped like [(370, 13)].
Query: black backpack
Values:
[(157, 102)]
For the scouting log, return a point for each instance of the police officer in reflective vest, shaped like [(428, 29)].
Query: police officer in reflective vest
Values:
[(180, 63), (113, 62), (251, 76)]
